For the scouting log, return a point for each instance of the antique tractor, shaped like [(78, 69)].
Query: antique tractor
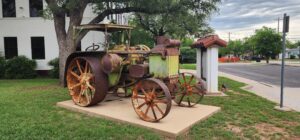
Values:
[(149, 76)]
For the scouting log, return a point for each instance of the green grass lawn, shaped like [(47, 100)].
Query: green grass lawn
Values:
[(188, 66), (28, 111)]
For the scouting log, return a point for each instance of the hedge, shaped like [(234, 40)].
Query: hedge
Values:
[(54, 72), (20, 68)]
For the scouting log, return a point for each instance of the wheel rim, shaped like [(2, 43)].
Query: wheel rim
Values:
[(82, 76), (189, 90), (151, 100)]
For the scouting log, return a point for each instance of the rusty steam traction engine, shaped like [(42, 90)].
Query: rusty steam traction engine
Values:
[(150, 76)]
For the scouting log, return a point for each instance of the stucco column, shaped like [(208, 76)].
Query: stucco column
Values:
[(198, 63), (212, 70), (1, 15)]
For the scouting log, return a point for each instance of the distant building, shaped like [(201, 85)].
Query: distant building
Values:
[(24, 32), (291, 52)]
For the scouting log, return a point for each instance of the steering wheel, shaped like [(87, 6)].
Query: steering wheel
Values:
[(141, 47)]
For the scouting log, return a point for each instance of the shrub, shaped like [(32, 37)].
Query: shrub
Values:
[(187, 55), (187, 42), (2, 67), (54, 72), (20, 68), (292, 57)]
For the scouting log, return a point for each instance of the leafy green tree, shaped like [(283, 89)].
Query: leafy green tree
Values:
[(57, 10), (189, 17), (291, 45), (268, 42), (234, 47), (249, 46)]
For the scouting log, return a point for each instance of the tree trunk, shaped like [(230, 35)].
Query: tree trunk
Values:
[(65, 38), (267, 60), (65, 49)]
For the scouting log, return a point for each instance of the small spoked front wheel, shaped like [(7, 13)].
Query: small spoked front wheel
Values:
[(189, 90), (151, 100)]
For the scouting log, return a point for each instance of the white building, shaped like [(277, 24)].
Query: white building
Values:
[(291, 52), (24, 32)]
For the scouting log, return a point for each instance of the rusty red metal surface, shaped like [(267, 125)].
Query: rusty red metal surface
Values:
[(151, 99), (111, 63), (209, 41), (84, 73), (166, 47), (139, 70)]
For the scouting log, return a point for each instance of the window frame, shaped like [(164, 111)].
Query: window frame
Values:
[(6, 47), (32, 48), (30, 9), (15, 9)]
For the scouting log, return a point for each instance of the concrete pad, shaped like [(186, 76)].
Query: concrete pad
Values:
[(284, 108), (177, 122)]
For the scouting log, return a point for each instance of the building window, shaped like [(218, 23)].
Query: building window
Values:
[(38, 47), (10, 47), (9, 8), (36, 6)]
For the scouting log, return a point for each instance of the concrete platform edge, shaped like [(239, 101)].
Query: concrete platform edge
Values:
[(161, 132)]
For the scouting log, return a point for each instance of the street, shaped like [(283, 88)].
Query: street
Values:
[(269, 74)]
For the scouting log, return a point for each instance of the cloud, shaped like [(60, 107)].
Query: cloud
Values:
[(244, 16)]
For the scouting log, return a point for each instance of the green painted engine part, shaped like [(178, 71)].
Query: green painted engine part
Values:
[(114, 77), (163, 68)]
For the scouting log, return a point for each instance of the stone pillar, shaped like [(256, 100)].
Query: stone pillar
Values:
[(207, 61), (212, 70), (1, 14), (198, 63)]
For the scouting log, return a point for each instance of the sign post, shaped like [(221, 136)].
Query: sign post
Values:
[(286, 20)]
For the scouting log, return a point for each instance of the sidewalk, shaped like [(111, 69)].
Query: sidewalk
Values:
[(263, 62), (270, 92)]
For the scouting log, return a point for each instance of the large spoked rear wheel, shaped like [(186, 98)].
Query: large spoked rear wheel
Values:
[(86, 82), (189, 90), (151, 100)]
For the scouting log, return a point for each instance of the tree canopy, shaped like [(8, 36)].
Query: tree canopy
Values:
[(186, 17), (268, 42)]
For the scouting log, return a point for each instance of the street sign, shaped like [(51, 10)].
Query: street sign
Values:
[(286, 24)]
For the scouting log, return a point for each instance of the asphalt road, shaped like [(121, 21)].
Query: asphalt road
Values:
[(269, 74)]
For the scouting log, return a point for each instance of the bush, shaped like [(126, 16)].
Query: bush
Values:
[(54, 72), (2, 67), (187, 55), (187, 42), (20, 68), (292, 57)]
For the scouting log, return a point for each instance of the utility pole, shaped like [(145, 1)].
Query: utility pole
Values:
[(278, 25), (286, 20), (278, 20), (229, 36)]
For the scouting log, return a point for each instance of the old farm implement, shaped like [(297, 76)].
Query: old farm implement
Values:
[(149, 76)]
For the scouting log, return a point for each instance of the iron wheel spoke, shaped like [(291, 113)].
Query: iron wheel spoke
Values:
[(79, 67), (154, 114), (147, 110), (141, 105), (181, 99), (159, 109), (75, 75)]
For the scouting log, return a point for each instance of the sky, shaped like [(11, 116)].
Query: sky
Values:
[(242, 17)]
